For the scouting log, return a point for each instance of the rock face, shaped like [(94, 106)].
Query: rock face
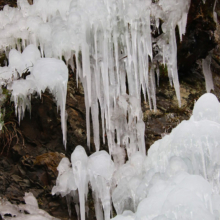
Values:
[(215, 65), (11, 3), (29, 159), (199, 38)]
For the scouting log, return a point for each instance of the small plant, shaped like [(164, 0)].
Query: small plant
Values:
[(9, 131), (163, 70)]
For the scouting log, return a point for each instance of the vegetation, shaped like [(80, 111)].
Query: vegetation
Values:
[(10, 133)]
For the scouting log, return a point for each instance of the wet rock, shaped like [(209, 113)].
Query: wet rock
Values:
[(11, 3), (42, 131), (14, 192), (168, 114), (17, 152), (30, 2), (215, 65), (16, 178), (25, 183), (36, 192), (49, 161), (2, 183), (5, 164), (53, 206), (199, 38)]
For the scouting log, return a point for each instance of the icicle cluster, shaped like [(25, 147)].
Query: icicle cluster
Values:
[(45, 73), (179, 179), (96, 169), (27, 211), (112, 42)]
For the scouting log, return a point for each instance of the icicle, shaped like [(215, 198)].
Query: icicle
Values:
[(182, 25), (173, 74), (112, 44), (158, 76), (95, 120), (79, 161), (215, 16), (98, 208), (100, 170), (68, 201), (207, 73)]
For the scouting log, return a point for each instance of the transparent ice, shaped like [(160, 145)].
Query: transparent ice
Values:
[(207, 73)]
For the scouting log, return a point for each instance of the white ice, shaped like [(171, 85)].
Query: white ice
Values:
[(79, 160), (97, 169), (45, 73), (112, 43), (178, 179), (100, 170)]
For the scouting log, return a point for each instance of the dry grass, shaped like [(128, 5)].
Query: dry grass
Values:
[(10, 134)]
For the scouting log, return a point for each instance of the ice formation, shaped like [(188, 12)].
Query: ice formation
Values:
[(97, 169), (29, 211), (178, 179), (207, 73), (2, 111), (117, 46), (45, 73)]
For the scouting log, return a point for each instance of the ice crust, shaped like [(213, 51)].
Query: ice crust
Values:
[(112, 43), (18, 212), (178, 179)]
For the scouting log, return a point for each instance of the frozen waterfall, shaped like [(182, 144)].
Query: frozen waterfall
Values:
[(110, 46), (116, 57)]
